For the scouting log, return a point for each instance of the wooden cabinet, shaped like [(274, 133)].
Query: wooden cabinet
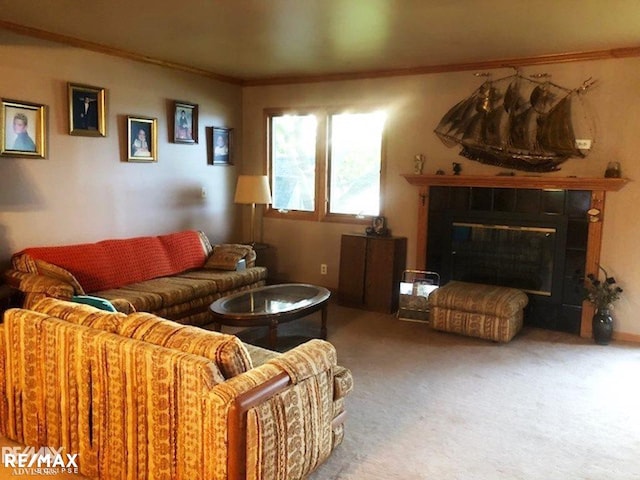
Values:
[(370, 271), (266, 256)]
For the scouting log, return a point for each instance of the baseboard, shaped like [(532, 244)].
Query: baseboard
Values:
[(626, 337)]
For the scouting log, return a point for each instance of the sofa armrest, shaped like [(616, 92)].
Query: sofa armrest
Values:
[(307, 360), (237, 422), (35, 287), (264, 409)]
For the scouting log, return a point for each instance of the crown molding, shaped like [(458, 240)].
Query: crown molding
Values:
[(115, 52), (613, 53)]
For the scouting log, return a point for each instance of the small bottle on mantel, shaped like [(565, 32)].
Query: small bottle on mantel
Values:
[(613, 170), (418, 164)]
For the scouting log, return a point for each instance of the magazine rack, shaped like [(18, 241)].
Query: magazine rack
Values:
[(415, 287)]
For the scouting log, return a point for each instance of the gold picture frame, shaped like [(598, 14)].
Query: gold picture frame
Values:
[(87, 110), (23, 129), (185, 122), (142, 139)]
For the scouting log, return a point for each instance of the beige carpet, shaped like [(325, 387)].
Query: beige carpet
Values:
[(429, 405)]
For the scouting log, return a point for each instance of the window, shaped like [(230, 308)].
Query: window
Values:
[(293, 164), (326, 165)]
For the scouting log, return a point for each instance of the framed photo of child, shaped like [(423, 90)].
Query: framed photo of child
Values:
[(222, 143), (23, 129), (142, 139), (185, 122)]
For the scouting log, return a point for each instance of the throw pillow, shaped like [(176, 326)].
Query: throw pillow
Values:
[(226, 256), (101, 303), (59, 273)]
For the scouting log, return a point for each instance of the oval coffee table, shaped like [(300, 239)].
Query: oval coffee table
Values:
[(270, 306)]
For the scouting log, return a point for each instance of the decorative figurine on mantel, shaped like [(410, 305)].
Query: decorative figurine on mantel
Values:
[(613, 170), (418, 164), (457, 168)]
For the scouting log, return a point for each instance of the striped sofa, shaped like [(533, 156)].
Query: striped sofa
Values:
[(176, 276), (137, 396)]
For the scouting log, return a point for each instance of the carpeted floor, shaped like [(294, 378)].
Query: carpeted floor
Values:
[(429, 405)]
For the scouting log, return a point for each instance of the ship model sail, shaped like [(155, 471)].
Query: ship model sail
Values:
[(516, 122)]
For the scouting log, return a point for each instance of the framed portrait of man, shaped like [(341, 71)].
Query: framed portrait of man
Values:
[(23, 129), (87, 115), (185, 122)]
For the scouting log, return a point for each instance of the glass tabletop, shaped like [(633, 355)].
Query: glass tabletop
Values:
[(271, 300)]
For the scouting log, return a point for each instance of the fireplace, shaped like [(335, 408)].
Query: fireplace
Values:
[(534, 240), (572, 207)]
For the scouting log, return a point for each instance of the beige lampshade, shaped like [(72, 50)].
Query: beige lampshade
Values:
[(253, 189)]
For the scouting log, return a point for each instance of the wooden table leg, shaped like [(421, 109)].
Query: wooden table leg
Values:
[(323, 327), (273, 334)]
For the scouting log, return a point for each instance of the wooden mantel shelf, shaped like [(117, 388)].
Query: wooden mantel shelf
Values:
[(518, 181)]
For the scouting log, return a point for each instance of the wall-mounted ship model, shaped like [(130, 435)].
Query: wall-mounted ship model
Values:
[(519, 122)]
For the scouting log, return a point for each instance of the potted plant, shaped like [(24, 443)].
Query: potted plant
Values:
[(602, 294)]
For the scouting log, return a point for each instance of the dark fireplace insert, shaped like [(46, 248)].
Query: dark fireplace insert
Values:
[(534, 240), (506, 255)]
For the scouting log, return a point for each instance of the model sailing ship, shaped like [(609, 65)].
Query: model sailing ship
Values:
[(516, 122)]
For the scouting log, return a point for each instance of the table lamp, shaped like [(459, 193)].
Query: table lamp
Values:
[(252, 189)]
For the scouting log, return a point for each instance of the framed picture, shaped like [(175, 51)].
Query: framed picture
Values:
[(185, 122), (142, 139), (378, 227), (23, 129), (222, 141), (87, 111)]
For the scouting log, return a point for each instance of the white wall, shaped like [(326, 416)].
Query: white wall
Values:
[(85, 190), (416, 104)]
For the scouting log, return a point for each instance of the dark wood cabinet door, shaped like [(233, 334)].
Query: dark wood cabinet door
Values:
[(370, 271), (386, 260), (353, 251), (378, 281)]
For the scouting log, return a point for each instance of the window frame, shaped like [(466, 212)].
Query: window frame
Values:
[(323, 165)]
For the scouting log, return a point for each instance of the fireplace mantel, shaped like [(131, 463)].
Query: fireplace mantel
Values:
[(597, 186), (518, 181)]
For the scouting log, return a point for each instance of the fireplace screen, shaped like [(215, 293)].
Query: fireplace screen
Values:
[(510, 256)]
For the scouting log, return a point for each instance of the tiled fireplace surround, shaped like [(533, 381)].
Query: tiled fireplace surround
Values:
[(576, 203)]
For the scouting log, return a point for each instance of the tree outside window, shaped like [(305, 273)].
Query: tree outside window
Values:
[(336, 156)]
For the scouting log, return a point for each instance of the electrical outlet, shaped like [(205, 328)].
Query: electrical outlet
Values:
[(203, 192), (583, 143), (323, 269)]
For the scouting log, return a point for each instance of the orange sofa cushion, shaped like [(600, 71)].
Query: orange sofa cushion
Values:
[(114, 263)]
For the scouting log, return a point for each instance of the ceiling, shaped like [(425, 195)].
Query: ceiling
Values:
[(265, 40)]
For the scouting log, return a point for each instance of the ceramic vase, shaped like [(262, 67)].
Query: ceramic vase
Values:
[(602, 325)]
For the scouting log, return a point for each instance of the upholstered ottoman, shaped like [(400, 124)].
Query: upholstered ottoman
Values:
[(484, 311)]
